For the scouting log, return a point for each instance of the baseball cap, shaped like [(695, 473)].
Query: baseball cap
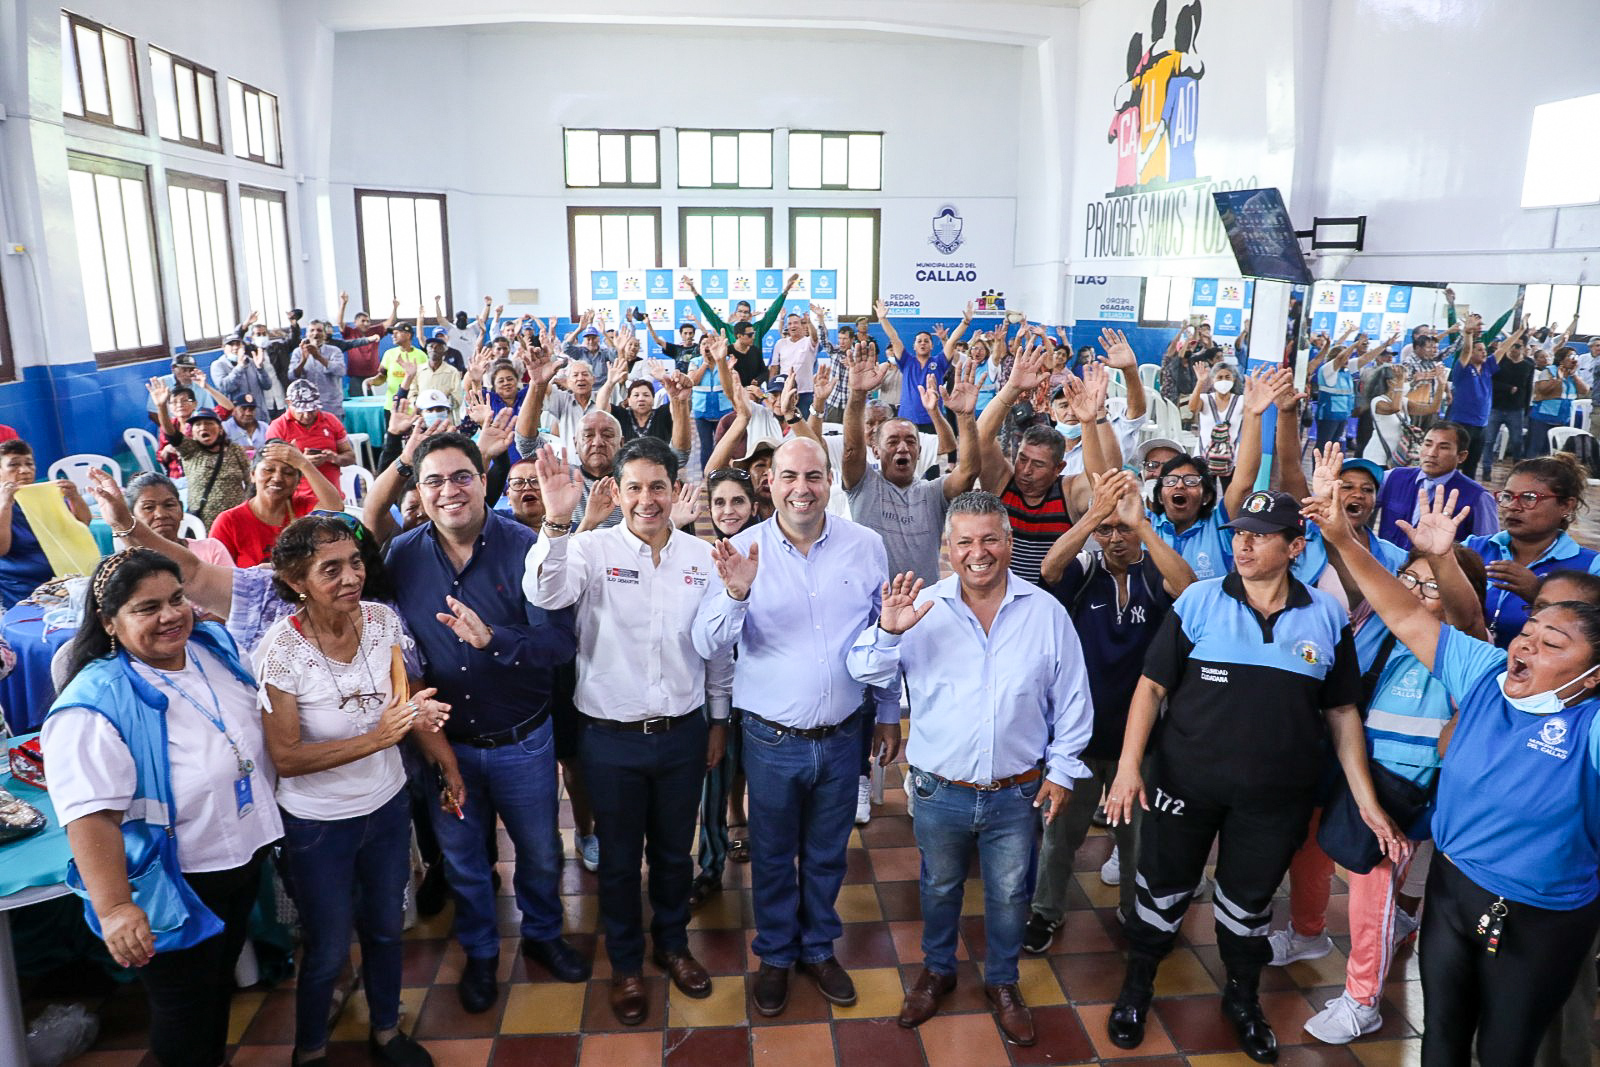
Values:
[(233, 339), (302, 396), (753, 445), (201, 414), (591, 331), (397, 327), (1142, 453), (1357, 463), (432, 398), (183, 359), (1268, 511), (437, 334)]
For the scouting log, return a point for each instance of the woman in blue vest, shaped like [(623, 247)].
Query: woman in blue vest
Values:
[(1336, 393), (162, 707), (708, 401), (1552, 401), (1514, 890), (1538, 503)]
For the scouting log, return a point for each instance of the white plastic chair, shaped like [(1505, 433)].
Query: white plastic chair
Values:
[(1501, 441), (355, 482), (191, 527), (363, 449), (143, 445), (76, 468), (1580, 412), (1148, 373)]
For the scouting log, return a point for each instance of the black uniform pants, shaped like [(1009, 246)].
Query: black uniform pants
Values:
[(1509, 999), (1257, 832)]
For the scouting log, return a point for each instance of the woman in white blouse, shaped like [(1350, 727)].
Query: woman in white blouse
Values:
[(338, 702), (141, 660)]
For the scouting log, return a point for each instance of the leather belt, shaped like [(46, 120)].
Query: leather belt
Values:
[(501, 738), (1004, 783), (814, 733), (659, 725)]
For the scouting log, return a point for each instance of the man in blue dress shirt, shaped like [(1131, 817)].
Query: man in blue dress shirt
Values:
[(1002, 711), (793, 622), (482, 643)]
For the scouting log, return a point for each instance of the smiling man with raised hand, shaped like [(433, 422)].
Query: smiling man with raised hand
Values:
[(794, 593), (997, 680)]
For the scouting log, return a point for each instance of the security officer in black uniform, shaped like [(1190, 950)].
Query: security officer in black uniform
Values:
[(1257, 671)]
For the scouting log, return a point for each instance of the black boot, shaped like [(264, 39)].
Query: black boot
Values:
[(1125, 1024), (1241, 1004)]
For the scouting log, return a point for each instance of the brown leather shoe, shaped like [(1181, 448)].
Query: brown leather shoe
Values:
[(922, 999), (1016, 1021), (832, 979), (771, 989), (686, 972), (628, 1000)]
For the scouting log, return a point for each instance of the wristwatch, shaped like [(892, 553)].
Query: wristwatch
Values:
[(404, 469), (792, 419)]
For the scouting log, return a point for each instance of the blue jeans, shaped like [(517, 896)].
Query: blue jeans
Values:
[(1539, 436), (344, 873), (519, 781), (707, 429), (1516, 423), (802, 806), (1332, 429), (952, 821)]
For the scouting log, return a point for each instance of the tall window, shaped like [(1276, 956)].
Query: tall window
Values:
[(612, 159), (255, 124), (186, 101), (835, 160), (98, 82), (405, 249), (610, 238), (265, 231), (725, 237), (204, 259), (1556, 305), (839, 239), (1166, 300), (725, 159), (116, 249), (1563, 169)]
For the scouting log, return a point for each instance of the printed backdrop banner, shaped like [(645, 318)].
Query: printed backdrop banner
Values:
[(1372, 308), (665, 299), (1223, 304)]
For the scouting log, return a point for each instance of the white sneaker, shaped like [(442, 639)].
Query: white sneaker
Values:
[(1111, 869), (863, 801), (1405, 924), (1289, 947), (1343, 1020), (589, 852)]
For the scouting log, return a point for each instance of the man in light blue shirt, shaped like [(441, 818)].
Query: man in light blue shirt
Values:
[(1002, 711), (794, 593)]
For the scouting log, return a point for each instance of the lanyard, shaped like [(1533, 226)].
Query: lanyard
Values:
[(214, 717)]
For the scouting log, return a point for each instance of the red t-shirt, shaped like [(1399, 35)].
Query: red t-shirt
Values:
[(7, 433), (249, 540), (324, 434)]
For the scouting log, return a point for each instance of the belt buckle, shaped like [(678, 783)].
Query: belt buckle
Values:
[(649, 728), (992, 787)]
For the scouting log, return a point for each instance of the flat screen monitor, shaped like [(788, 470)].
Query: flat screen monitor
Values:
[(1262, 236)]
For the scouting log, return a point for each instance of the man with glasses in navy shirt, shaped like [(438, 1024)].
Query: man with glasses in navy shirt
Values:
[(491, 654)]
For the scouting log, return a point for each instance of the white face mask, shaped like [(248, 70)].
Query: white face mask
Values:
[(1224, 386), (1546, 703), (1070, 430)]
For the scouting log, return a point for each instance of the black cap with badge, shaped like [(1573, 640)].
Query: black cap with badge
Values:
[(1268, 511)]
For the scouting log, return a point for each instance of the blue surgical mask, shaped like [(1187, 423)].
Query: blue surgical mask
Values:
[(1070, 430), (1546, 703)]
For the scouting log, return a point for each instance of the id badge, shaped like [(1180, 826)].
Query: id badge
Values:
[(243, 796)]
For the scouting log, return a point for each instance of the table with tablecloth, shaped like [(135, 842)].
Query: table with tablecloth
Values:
[(366, 414), (32, 870), (26, 693)]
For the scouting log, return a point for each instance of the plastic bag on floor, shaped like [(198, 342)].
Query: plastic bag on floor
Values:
[(60, 1033)]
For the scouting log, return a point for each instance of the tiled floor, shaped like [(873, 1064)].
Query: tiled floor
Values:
[(542, 1023)]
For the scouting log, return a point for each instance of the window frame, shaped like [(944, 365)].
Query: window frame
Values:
[(118, 168), (1144, 296), (824, 186), (713, 134), (185, 180), (8, 366), (576, 210), (241, 138), (600, 132), (74, 22), (444, 244), (260, 192), (876, 214), (195, 70), (696, 211)]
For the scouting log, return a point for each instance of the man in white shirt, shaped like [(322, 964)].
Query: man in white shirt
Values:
[(795, 355), (646, 696)]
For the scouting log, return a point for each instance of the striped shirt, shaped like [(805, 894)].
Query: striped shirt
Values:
[(1034, 527)]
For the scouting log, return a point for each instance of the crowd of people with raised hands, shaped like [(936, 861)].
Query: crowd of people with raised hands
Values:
[(975, 531)]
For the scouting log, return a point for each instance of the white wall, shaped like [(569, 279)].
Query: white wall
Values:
[(478, 113)]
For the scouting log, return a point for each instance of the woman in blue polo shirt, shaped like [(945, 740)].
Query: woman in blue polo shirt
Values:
[(1514, 891), (1537, 505)]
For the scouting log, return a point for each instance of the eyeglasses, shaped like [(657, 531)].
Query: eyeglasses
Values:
[(459, 478), (1188, 481), (1110, 529), (1152, 464), (516, 485), (1524, 500), (728, 472), (1430, 589)]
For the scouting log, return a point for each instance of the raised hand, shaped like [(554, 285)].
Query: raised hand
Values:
[(1130, 503), (603, 497), (113, 505), (465, 623), (677, 386), (1108, 488), (900, 612), (822, 386), (1437, 522), (1029, 371), (160, 392), (941, 332), (1119, 353), (962, 396), (928, 391), (478, 407), (789, 399), (1326, 462), (866, 373), (496, 434), (1088, 403), (686, 506), (1261, 388), (560, 486), (737, 571), (880, 309)]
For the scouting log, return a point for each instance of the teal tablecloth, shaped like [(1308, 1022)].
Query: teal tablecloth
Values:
[(365, 414), (102, 536), (42, 858)]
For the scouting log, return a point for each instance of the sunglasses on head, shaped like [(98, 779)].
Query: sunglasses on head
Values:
[(350, 522), (728, 472)]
